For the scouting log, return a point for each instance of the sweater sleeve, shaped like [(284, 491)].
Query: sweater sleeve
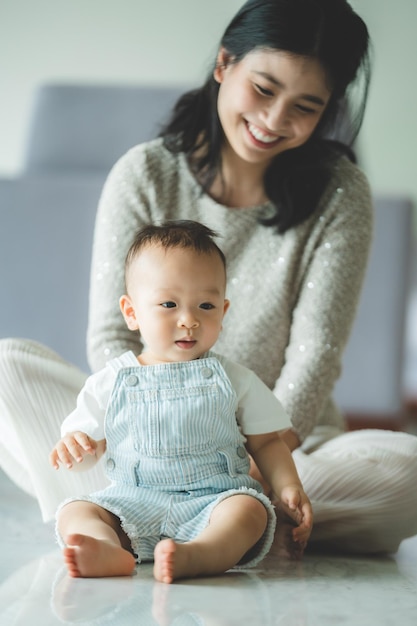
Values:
[(122, 209), (335, 261)]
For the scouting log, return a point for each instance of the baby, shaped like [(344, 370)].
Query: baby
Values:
[(176, 424)]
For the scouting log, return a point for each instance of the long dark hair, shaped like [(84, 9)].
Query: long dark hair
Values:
[(327, 30)]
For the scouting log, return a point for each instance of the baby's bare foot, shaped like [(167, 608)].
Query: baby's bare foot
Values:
[(87, 557), (171, 561), (164, 561)]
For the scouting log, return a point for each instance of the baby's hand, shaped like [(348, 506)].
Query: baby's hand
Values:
[(73, 447), (299, 508)]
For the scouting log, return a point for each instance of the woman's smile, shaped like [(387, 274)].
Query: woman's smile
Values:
[(261, 137)]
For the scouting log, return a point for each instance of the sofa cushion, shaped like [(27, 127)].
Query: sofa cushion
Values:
[(83, 129), (45, 253)]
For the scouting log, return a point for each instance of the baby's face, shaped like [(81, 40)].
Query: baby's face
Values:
[(177, 301)]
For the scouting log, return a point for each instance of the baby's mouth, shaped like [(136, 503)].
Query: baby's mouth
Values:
[(186, 344)]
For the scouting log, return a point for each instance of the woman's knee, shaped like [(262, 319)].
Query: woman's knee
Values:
[(15, 347)]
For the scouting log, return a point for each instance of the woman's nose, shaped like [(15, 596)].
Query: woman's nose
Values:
[(276, 115)]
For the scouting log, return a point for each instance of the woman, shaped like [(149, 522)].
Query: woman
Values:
[(246, 154)]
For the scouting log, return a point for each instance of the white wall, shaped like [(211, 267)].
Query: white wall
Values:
[(388, 139), (126, 41), (158, 41)]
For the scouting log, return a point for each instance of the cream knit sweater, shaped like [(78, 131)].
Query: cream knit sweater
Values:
[(293, 296)]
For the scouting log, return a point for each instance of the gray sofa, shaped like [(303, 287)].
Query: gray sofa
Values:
[(76, 133), (47, 213)]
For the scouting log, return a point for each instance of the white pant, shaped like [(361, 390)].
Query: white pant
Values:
[(362, 484)]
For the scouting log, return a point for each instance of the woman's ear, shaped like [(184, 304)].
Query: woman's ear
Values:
[(128, 312), (223, 60)]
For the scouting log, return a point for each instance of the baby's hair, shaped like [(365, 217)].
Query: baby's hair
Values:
[(186, 234)]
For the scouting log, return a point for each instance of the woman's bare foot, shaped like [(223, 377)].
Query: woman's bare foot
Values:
[(170, 561), (284, 545), (86, 557)]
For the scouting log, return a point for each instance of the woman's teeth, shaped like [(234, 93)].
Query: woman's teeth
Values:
[(261, 136)]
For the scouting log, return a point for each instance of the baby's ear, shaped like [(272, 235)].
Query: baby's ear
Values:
[(128, 312)]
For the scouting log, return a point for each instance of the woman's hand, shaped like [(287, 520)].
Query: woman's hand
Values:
[(74, 447)]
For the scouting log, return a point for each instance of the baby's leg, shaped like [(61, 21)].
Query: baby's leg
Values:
[(95, 543), (236, 524)]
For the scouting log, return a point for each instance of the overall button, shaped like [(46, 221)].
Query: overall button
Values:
[(132, 380), (110, 464), (207, 372), (241, 452)]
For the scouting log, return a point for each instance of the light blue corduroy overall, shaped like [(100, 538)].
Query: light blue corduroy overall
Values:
[(174, 451)]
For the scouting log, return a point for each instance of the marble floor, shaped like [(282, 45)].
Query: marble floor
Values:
[(321, 590)]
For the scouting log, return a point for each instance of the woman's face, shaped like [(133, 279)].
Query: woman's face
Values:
[(269, 102)]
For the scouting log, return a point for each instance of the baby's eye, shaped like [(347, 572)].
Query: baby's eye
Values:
[(207, 306), (168, 305)]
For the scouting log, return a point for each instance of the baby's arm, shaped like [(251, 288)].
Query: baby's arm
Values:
[(77, 450), (79, 447), (274, 460)]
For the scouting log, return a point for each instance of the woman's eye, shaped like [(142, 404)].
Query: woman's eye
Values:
[(168, 305), (207, 306), (303, 109), (263, 90)]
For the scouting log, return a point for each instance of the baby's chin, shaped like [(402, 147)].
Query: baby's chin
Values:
[(178, 355)]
